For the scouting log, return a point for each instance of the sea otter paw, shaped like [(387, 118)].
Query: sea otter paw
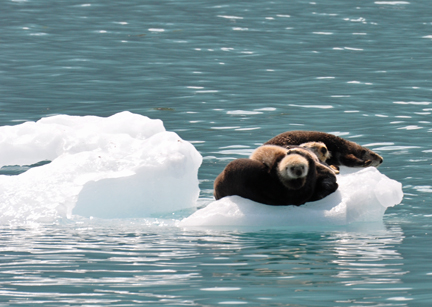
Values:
[(335, 169), (367, 163)]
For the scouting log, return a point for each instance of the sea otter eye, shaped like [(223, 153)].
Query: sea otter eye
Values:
[(363, 152), (324, 150)]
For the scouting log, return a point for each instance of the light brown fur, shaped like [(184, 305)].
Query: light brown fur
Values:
[(276, 176), (326, 176), (322, 153), (269, 154), (318, 148), (292, 167)]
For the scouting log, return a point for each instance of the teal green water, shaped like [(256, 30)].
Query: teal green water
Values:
[(227, 76)]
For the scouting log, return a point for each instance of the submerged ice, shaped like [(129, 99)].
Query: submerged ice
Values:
[(125, 165), (128, 165)]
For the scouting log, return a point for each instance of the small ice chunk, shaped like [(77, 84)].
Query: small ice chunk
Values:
[(363, 196)]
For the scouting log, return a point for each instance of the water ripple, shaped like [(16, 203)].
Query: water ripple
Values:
[(229, 76)]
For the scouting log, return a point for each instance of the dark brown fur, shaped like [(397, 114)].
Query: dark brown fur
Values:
[(343, 152), (326, 182), (251, 179), (255, 180)]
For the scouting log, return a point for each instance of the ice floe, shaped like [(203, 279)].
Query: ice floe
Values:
[(363, 196), (125, 165), (128, 166)]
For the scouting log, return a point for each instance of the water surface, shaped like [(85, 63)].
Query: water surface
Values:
[(227, 76)]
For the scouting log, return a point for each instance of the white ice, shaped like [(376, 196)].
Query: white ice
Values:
[(125, 165), (128, 166), (363, 196)]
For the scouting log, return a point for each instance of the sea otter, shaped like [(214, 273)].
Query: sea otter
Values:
[(273, 157), (270, 155), (290, 181), (277, 176), (343, 152), (321, 151), (326, 182)]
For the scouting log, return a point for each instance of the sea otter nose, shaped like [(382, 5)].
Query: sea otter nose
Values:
[(297, 170), (379, 160)]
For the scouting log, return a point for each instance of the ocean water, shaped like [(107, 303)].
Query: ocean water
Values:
[(227, 76)]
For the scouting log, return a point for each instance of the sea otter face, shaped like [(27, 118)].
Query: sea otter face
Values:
[(371, 158), (319, 149), (297, 171), (292, 170)]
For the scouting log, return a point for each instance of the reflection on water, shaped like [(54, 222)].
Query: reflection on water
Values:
[(113, 263), (369, 263)]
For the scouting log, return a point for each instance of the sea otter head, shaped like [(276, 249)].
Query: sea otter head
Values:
[(292, 170), (371, 158), (319, 149)]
